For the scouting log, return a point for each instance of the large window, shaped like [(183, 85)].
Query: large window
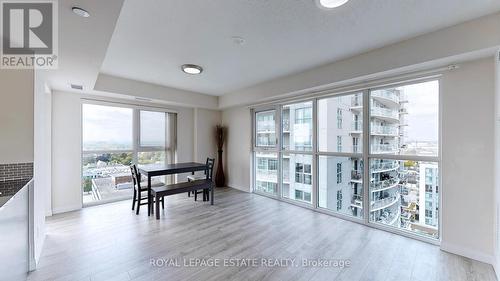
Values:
[(340, 164), (370, 155), (110, 146), (403, 161)]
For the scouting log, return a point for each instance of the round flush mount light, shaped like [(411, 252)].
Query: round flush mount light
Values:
[(330, 4), (192, 69), (80, 12)]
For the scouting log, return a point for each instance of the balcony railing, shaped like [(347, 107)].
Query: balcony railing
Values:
[(392, 95), (384, 130), (381, 185), (382, 166), (266, 175), (357, 200), (385, 112), (357, 101), (389, 218), (381, 148), (357, 126), (357, 148), (385, 202), (356, 175), (286, 125)]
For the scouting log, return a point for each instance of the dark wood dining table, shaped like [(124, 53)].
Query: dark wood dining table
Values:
[(156, 170)]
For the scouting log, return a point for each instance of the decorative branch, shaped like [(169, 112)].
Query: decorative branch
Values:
[(220, 135)]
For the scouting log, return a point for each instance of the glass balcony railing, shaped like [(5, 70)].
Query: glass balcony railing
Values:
[(286, 125), (266, 175), (392, 95), (384, 148), (378, 204), (381, 185), (356, 175), (383, 166), (384, 130), (389, 218), (357, 126), (357, 148), (385, 112), (357, 101), (357, 201)]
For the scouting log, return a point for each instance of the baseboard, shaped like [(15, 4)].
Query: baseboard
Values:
[(244, 189), (468, 253), (65, 209)]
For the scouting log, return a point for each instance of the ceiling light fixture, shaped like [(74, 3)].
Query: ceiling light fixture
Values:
[(192, 69), (330, 4), (80, 12)]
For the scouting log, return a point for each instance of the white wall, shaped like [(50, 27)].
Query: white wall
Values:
[(496, 263), (467, 160), (205, 144), (42, 161), (66, 152), (66, 145), (238, 147), (16, 116)]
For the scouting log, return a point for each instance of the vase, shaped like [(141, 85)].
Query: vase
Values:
[(220, 179)]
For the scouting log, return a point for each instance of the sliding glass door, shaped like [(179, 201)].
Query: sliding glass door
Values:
[(114, 137), (371, 155)]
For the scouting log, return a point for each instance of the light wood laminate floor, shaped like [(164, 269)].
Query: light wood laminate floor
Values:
[(109, 242)]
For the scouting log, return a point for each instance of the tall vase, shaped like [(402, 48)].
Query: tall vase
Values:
[(220, 179)]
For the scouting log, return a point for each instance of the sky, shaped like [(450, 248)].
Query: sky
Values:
[(423, 108), (113, 125)]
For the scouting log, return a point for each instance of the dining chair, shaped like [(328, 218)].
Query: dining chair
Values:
[(210, 163), (138, 190), (194, 177)]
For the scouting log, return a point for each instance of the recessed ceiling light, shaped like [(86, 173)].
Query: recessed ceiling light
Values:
[(192, 69), (330, 4), (238, 40), (80, 12)]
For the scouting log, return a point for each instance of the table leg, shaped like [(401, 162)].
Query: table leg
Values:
[(149, 196)]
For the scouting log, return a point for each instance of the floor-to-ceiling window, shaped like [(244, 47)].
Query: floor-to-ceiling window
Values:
[(340, 160), (114, 137), (371, 155), (404, 162), (296, 151)]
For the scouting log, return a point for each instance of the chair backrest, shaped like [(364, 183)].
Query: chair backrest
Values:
[(136, 178), (210, 164)]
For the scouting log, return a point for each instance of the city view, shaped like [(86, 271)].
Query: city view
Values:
[(108, 149), (403, 193)]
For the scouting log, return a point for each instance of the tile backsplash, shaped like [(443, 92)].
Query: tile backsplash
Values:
[(16, 171)]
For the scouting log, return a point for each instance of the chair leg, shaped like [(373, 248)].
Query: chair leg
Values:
[(133, 201), (208, 194), (157, 203), (163, 203), (195, 195), (138, 204)]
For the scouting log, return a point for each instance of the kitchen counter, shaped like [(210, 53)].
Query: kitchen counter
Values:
[(9, 188)]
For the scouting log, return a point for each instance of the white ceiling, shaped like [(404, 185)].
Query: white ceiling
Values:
[(153, 38)]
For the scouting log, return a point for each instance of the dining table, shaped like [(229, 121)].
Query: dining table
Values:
[(156, 170)]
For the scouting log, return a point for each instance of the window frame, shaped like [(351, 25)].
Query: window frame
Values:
[(365, 154), (136, 148)]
